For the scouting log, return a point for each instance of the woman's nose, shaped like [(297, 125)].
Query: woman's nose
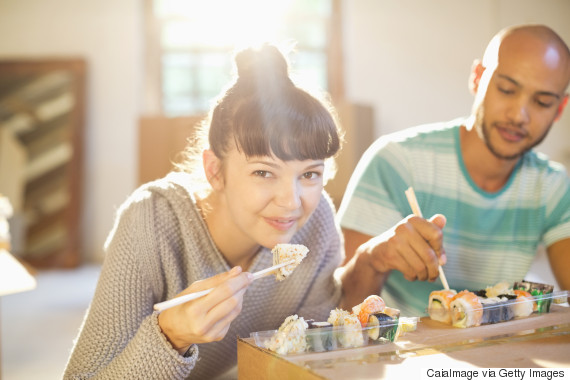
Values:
[(288, 195)]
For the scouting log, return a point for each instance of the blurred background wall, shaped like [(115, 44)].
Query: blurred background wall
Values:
[(409, 59), (108, 34)]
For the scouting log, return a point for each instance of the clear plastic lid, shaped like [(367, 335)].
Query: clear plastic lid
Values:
[(322, 339), (473, 310)]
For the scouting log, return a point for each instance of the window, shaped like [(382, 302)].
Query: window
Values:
[(191, 44)]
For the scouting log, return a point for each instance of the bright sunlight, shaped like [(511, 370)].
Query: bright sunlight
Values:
[(221, 23)]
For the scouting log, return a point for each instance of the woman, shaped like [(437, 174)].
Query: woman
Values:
[(269, 145)]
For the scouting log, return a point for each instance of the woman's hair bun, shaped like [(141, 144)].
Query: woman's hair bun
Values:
[(264, 62)]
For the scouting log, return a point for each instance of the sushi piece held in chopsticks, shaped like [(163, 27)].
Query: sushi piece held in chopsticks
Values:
[(287, 252), (466, 309), (439, 306)]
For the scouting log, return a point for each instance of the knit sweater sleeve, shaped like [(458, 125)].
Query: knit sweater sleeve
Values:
[(120, 337)]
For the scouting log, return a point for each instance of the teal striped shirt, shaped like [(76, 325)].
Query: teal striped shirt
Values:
[(488, 238)]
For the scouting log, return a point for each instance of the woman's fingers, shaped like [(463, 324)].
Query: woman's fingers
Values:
[(207, 318), (214, 313), (226, 292), (220, 317), (212, 282)]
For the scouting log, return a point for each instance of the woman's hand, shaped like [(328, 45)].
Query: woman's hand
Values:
[(208, 318), (414, 247)]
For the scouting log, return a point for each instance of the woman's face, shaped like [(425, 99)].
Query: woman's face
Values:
[(268, 200)]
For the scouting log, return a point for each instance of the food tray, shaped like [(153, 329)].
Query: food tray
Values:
[(501, 309), (333, 338)]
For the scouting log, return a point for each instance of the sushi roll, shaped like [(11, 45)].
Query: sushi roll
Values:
[(351, 335), (480, 293), (382, 326), (406, 324), (538, 291), (439, 305), (496, 309), (498, 289), (336, 317), (392, 312), (320, 337), (348, 330), (523, 305), (466, 310), (506, 306), (491, 313), (290, 337), (372, 304), (287, 252)]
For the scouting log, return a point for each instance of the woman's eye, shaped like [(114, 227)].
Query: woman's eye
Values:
[(261, 173), (311, 175)]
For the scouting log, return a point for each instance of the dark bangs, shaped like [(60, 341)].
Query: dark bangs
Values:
[(294, 127)]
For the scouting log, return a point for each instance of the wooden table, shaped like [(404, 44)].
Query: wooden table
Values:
[(539, 341)]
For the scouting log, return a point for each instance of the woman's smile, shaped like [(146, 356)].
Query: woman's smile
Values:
[(281, 224)]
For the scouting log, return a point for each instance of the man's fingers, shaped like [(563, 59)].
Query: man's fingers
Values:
[(427, 244), (439, 220)]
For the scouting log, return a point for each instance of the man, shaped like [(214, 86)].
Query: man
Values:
[(501, 199)]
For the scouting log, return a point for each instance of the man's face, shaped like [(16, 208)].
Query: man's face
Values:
[(522, 96)]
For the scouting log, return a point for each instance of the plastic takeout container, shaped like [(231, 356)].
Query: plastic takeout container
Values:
[(498, 309), (333, 338)]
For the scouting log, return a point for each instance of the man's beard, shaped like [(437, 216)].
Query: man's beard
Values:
[(484, 132)]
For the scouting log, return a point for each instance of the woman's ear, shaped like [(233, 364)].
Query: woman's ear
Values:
[(213, 169), (477, 70)]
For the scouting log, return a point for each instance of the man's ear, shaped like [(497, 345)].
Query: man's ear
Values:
[(561, 107), (213, 169), (477, 70)]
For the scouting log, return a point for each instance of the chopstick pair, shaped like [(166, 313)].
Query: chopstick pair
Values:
[(412, 200), (192, 296)]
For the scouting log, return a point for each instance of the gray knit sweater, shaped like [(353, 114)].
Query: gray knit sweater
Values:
[(158, 247)]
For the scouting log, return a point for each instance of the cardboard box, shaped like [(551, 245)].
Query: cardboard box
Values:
[(161, 139), (357, 122), (257, 363), (539, 340)]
